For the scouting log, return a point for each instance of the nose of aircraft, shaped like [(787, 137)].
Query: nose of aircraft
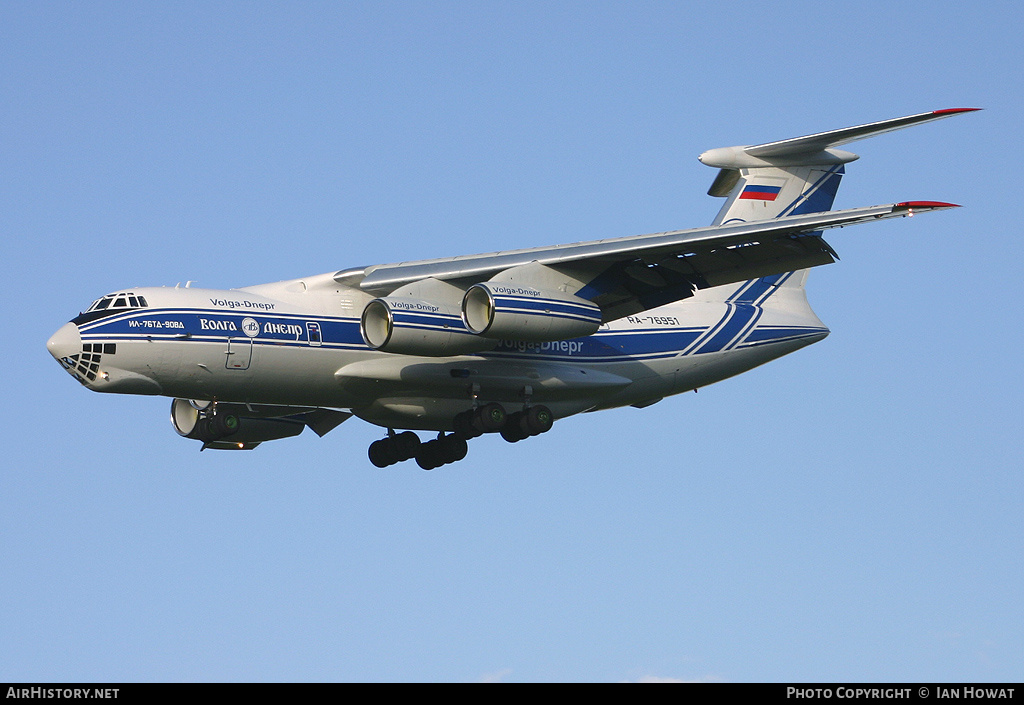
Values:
[(65, 342)]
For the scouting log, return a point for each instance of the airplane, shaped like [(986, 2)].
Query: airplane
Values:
[(505, 342)]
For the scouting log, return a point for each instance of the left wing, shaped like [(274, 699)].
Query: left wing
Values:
[(626, 275)]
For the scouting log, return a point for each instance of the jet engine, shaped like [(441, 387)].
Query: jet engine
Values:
[(512, 311), (219, 427), (416, 327)]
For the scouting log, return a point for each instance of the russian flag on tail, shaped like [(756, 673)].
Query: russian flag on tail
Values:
[(758, 192)]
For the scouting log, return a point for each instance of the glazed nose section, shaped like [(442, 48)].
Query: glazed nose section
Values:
[(65, 342)]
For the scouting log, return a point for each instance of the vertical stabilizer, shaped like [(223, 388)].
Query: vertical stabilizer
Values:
[(793, 176), (761, 193)]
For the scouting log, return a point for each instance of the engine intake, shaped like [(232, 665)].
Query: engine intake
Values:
[(416, 327), (516, 312)]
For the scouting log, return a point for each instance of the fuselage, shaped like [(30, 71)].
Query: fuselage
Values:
[(298, 343)]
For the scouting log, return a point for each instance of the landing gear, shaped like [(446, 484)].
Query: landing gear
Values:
[(202, 420), (394, 449), (452, 447), (441, 451), (532, 421), (476, 422), (404, 446), (222, 425)]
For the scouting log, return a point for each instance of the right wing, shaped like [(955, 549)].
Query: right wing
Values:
[(627, 275)]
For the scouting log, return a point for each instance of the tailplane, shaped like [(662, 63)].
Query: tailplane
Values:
[(793, 176)]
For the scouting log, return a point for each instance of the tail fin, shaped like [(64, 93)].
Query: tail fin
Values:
[(794, 176), (764, 192)]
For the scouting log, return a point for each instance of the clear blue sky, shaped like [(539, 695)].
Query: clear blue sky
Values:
[(851, 512)]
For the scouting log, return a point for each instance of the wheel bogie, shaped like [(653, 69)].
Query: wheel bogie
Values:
[(441, 451), (531, 421), (394, 449), (452, 447)]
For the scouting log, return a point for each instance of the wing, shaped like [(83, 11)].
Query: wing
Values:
[(625, 275)]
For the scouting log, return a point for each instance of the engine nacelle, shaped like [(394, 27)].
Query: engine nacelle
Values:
[(225, 429), (517, 312), (186, 415), (415, 327)]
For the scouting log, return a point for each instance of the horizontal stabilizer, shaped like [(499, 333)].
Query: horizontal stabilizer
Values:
[(817, 148), (834, 138)]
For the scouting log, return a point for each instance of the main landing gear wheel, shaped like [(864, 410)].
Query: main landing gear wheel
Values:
[(394, 449), (531, 421), (489, 417), (512, 433), (537, 420), (441, 451), (476, 422), (463, 424)]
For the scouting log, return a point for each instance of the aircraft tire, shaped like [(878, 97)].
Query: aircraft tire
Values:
[(464, 426), (434, 454), (427, 456), (512, 431), (489, 418), (536, 420), (513, 434), (406, 444), (222, 425), (207, 432), (455, 448), (382, 453)]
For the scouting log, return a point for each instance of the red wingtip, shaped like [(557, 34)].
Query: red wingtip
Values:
[(953, 111), (906, 205)]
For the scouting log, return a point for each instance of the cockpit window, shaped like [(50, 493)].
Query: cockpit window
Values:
[(111, 305), (120, 300)]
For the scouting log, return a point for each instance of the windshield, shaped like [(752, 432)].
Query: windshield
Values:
[(120, 300)]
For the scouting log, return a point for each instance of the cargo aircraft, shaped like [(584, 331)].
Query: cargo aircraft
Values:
[(506, 342)]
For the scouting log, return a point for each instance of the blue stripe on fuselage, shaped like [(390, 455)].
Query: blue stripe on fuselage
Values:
[(204, 324), (604, 346)]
